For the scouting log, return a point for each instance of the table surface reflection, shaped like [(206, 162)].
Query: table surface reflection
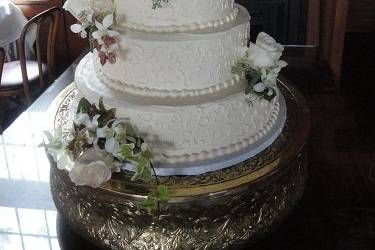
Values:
[(28, 216)]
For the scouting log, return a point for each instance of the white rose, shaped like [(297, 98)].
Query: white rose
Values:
[(265, 53), (76, 7), (91, 169)]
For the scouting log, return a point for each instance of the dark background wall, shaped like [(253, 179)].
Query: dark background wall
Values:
[(283, 19)]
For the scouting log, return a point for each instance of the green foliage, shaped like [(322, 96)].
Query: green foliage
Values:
[(127, 151), (161, 195), (150, 204), (78, 144), (158, 3), (83, 16), (268, 94), (132, 147), (105, 115), (143, 168), (253, 77), (84, 106)]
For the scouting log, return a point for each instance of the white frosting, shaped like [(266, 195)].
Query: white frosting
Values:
[(178, 64), (176, 15), (187, 133)]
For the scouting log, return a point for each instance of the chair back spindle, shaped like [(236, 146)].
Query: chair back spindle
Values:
[(51, 18), (2, 61)]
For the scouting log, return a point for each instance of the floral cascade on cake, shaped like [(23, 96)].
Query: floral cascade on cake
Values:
[(96, 19), (261, 65), (100, 145), (183, 82)]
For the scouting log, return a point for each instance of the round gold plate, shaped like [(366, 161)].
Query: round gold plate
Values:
[(222, 209)]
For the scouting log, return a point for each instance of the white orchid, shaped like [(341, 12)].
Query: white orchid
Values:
[(103, 29), (65, 161), (93, 168), (91, 126), (111, 146), (114, 136), (57, 148), (82, 119), (80, 29)]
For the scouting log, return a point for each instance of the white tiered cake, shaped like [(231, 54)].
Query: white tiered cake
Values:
[(175, 83)]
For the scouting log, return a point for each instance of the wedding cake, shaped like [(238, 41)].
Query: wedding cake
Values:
[(181, 72)]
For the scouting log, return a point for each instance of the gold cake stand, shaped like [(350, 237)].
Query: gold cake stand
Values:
[(229, 208)]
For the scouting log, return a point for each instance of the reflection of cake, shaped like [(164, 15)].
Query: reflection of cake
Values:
[(177, 88)]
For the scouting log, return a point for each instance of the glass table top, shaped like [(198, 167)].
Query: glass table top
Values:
[(28, 217)]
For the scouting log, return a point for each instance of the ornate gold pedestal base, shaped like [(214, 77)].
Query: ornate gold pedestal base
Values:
[(229, 208)]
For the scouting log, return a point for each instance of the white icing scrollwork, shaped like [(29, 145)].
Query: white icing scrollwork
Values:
[(176, 15)]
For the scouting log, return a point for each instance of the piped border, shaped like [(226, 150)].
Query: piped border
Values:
[(179, 28)]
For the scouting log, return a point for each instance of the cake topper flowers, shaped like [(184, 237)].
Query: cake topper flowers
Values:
[(96, 18), (101, 145), (261, 65)]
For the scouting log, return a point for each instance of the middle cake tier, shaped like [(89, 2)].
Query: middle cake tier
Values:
[(177, 64)]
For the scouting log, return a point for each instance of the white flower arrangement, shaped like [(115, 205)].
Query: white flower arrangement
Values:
[(96, 18), (100, 146), (261, 65)]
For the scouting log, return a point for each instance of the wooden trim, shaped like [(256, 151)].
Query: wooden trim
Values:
[(338, 39), (2, 61), (313, 23), (333, 20)]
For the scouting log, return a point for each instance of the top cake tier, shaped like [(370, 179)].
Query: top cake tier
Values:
[(174, 15)]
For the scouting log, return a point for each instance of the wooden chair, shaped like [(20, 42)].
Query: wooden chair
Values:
[(17, 75)]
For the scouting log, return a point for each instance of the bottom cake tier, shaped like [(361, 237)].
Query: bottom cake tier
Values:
[(188, 129)]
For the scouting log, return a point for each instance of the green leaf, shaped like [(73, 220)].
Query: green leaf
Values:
[(269, 97), (150, 204), (131, 139), (84, 106), (143, 169), (77, 145), (147, 154), (130, 130), (162, 193), (127, 151), (101, 105), (105, 115), (253, 78)]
